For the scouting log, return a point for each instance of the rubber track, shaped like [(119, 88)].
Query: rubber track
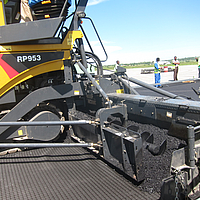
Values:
[(63, 173)]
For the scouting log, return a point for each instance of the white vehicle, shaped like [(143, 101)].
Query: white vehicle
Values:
[(164, 62)]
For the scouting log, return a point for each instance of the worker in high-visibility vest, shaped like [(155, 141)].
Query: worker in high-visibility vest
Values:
[(198, 60), (157, 72)]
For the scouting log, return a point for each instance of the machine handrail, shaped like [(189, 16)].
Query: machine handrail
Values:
[(97, 37)]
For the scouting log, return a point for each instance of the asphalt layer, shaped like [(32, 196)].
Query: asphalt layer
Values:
[(187, 89), (156, 167)]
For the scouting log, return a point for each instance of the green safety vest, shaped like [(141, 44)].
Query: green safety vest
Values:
[(156, 71)]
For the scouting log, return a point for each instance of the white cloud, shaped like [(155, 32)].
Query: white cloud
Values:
[(165, 54), (98, 50), (124, 56), (94, 2)]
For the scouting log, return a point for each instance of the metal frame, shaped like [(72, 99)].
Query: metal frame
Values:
[(117, 146), (38, 96), (45, 145), (170, 113), (75, 24), (185, 174), (35, 30)]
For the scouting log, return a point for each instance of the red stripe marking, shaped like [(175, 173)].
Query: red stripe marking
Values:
[(7, 68)]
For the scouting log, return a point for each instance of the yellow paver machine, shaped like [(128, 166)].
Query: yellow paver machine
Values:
[(41, 89)]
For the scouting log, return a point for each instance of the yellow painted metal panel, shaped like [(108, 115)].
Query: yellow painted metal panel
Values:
[(20, 132), (25, 75), (6, 84), (5, 48), (120, 91), (4, 77), (66, 45), (2, 14)]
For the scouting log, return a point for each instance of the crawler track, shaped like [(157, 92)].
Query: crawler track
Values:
[(63, 173)]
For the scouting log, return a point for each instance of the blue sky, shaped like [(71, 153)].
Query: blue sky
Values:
[(141, 30)]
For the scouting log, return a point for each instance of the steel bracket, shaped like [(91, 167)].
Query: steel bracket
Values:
[(119, 148)]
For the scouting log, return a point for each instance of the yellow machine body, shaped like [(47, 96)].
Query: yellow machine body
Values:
[(19, 63), (2, 14)]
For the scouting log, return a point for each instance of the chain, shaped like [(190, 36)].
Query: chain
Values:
[(183, 183), (176, 185)]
